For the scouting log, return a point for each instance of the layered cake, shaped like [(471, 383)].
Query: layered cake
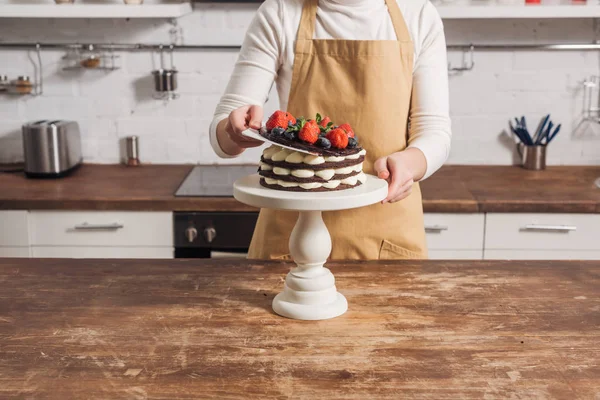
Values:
[(336, 162)]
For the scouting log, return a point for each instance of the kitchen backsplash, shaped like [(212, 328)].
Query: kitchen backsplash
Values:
[(115, 104)]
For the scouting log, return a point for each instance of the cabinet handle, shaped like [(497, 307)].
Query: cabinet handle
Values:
[(88, 227), (549, 228), (436, 228)]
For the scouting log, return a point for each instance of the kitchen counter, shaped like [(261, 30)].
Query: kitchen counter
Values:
[(204, 329), (460, 189)]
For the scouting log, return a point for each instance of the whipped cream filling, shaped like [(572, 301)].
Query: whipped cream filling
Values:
[(269, 152), (332, 184), (295, 158), (344, 170), (281, 155), (315, 185), (276, 153), (265, 167), (303, 173), (281, 171), (326, 174)]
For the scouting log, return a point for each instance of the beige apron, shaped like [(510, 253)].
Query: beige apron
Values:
[(366, 83)]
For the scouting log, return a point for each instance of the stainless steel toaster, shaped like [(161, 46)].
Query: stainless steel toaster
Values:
[(52, 148)]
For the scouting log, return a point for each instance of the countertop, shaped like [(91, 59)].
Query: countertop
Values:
[(461, 189), (189, 329)]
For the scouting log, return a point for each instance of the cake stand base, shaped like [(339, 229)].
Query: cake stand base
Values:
[(309, 292), (310, 312)]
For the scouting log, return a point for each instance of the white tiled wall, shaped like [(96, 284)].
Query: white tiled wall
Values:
[(111, 105)]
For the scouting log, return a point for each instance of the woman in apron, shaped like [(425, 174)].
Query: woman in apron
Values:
[(357, 62)]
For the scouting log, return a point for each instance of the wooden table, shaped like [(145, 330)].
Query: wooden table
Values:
[(190, 329)]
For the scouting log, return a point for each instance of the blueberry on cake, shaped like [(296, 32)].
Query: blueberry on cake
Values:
[(336, 162)]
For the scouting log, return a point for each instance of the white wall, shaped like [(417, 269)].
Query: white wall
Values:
[(111, 105)]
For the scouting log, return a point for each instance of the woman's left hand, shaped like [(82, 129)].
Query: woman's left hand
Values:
[(396, 169)]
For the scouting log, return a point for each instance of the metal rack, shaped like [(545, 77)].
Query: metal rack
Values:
[(188, 47), (467, 64), (37, 86)]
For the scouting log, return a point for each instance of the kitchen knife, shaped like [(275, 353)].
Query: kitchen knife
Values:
[(254, 134)]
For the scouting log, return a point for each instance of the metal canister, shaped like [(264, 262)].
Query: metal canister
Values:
[(132, 146), (533, 157)]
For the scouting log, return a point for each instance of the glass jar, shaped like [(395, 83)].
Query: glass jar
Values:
[(22, 85)]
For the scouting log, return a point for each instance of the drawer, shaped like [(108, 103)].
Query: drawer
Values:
[(542, 255), (456, 254), (14, 228), (542, 231), (101, 228), (101, 252), (19, 252), (454, 231)]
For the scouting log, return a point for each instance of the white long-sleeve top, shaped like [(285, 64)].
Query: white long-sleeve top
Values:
[(267, 56)]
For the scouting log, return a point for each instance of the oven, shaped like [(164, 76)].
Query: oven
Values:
[(213, 234)]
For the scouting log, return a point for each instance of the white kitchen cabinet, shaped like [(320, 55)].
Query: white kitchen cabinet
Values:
[(542, 236), (101, 228), (101, 234), (14, 251), (101, 252), (14, 229), (14, 234), (454, 236), (542, 255), (456, 254)]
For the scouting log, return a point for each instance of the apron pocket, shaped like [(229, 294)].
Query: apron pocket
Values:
[(391, 251)]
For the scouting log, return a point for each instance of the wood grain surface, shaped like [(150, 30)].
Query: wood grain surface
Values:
[(459, 189), (185, 329)]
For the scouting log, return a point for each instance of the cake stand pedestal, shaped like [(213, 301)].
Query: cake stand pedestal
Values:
[(309, 292)]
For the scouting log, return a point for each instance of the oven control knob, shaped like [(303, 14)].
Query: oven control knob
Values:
[(210, 234), (191, 234)]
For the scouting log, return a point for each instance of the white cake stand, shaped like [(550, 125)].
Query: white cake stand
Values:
[(309, 292)]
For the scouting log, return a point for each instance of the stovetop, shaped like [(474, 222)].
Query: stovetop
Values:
[(213, 180)]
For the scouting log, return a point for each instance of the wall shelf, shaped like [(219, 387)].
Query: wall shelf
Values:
[(518, 12), (152, 10)]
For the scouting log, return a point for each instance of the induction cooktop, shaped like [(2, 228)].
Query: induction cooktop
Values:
[(213, 180)]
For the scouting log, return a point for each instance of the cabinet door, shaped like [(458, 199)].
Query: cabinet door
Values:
[(14, 229), (542, 255), (101, 228), (455, 254), (454, 231), (553, 232), (101, 252), (20, 252)]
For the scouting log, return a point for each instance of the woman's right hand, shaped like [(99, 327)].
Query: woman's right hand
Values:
[(239, 120)]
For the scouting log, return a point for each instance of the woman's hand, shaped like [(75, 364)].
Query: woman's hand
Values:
[(229, 130), (401, 170)]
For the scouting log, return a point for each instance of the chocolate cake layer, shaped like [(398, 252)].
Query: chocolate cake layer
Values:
[(317, 167), (299, 189), (291, 178), (312, 148)]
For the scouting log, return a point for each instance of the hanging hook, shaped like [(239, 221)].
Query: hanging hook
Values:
[(162, 60), (466, 66), (39, 90), (171, 47)]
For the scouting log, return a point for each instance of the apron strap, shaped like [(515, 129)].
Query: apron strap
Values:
[(402, 33), (306, 30)]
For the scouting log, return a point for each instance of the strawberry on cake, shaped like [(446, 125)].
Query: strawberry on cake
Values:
[(336, 164)]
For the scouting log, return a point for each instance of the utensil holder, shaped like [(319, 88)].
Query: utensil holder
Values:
[(532, 157)]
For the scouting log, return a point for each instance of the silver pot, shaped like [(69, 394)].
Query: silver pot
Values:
[(165, 80)]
